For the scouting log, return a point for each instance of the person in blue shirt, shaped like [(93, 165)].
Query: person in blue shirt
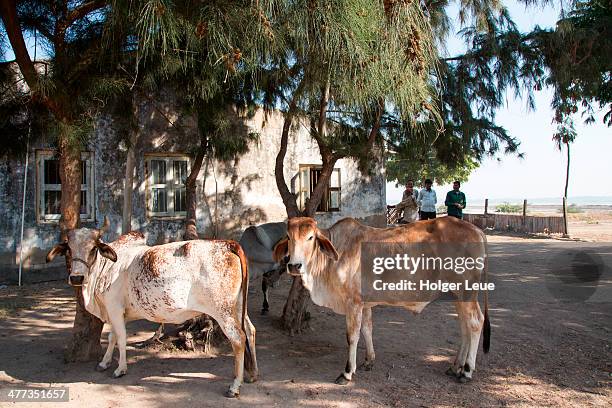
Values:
[(427, 201)]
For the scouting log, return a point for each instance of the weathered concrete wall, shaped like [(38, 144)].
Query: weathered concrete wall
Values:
[(231, 196)]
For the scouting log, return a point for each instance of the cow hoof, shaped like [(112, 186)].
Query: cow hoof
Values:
[(451, 372), (250, 380), (342, 380), (118, 374), (462, 379), (100, 367), (366, 366), (231, 394)]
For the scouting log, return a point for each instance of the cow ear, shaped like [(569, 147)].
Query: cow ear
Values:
[(280, 250), (327, 247), (59, 249), (106, 251)]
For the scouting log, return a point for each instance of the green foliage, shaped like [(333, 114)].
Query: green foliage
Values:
[(508, 208), (73, 82), (577, 54), (573, 209), (573, 59), (473, 87), (366, 56), (418, 168)]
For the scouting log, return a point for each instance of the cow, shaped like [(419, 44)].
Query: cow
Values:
[(127, 280), (258, 242), (328, 263)]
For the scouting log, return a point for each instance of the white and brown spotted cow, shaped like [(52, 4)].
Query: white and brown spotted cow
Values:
[(328, 263), (127, 280)]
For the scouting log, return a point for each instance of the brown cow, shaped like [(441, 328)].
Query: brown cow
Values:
[(328, 262)]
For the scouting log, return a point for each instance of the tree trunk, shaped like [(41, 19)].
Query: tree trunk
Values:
[(191, 229), (295, 312), (130, 164), (567, 170), (86, 331), (128, 189), (329, 161), (289, 199)]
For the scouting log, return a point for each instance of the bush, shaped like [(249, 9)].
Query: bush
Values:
[(441, 209), (508, 208), (573, 209)]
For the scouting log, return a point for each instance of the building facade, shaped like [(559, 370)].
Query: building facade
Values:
[(231, 195)]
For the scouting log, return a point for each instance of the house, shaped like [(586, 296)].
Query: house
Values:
[(231, 196)]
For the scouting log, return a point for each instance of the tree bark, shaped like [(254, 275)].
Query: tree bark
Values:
[(295, 312), (567, 170), (329, 161), (87, 328), (288, 198), (70, 176), (86, 332), (130, 164), (191, 229), (128, 189)]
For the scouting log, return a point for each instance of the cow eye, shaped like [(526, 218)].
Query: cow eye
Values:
[(311, 237)]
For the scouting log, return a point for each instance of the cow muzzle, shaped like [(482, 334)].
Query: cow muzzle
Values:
[(76, 280), (294, 269)]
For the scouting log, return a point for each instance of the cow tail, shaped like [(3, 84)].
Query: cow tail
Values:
[(249, 363), (486, 342)]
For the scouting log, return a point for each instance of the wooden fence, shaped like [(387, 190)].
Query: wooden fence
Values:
[(513, 222), (509, 222)]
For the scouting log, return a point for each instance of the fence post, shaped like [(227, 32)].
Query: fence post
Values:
[(565, 232), (486, 206), (525, 216)]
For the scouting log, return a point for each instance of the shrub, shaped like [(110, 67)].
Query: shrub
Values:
[(508, 208), (573, 209)]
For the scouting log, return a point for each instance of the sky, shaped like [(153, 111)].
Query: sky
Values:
[(541, 174)]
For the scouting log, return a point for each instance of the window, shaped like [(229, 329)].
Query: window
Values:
[(309, 176), (49, 186), (166, 192)]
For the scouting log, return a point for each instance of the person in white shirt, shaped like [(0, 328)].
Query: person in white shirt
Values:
[(427, 202)]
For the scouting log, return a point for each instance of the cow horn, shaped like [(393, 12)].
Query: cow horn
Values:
[(105, 225)]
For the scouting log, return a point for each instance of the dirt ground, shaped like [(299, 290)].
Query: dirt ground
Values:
[(544, 352)]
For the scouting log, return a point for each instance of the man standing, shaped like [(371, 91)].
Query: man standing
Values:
[(409, 203), (455, 201), (427, 201)]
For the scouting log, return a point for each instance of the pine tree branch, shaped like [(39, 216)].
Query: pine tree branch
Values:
[(8, 10), (83, 10), (288, 198)]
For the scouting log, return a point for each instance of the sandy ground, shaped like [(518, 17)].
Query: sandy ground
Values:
[(544, 352)]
